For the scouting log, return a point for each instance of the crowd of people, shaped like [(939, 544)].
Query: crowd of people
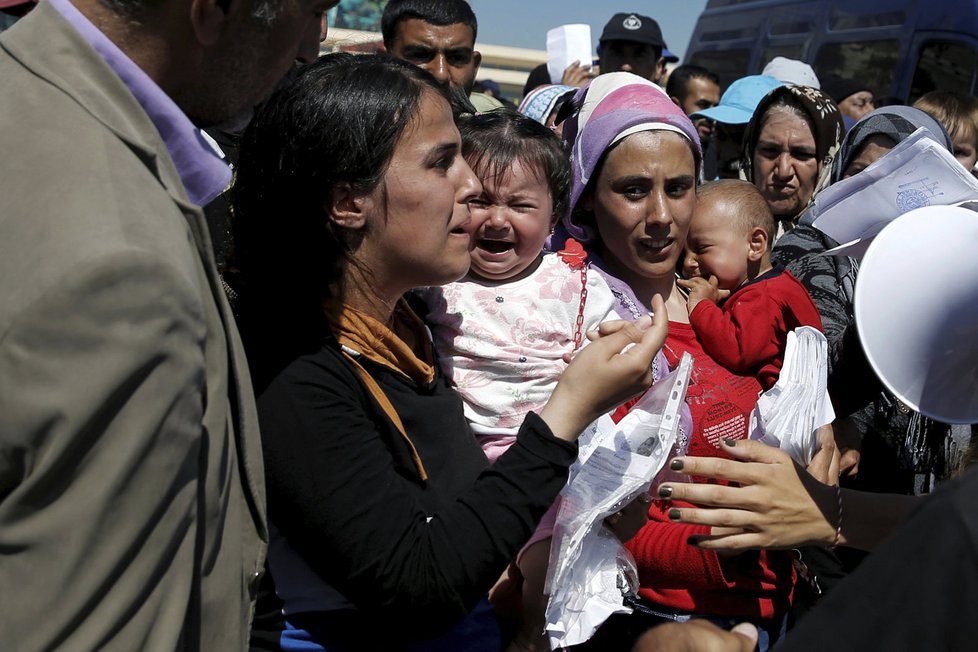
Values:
[(328, 402)]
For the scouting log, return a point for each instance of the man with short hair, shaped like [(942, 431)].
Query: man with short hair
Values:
[(632, 43), (132, 505), (437, 35), (694, 88), (731, 116)]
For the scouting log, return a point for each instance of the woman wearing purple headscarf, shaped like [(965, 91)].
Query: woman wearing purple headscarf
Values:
[(636, 163)]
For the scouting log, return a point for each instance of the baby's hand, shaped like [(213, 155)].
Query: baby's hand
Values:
[(701, 289)]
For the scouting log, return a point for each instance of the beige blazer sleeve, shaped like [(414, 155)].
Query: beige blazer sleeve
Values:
[(101, 386)]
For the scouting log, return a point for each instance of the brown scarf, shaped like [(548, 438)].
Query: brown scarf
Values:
[(361, 333)]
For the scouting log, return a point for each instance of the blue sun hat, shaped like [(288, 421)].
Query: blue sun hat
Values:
[(739, 101)]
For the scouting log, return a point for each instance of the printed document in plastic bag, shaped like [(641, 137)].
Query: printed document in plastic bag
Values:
[(787, 415), (590, 571)]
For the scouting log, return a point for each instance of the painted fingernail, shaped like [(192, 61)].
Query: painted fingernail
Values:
[(730, 442), (675, 514), (694, 541), (676, 465), (665, 492)]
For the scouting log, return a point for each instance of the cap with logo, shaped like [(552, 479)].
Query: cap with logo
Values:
[(633, 27)]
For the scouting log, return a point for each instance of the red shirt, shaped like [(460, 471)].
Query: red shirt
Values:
[(682, 577), (749, 333)]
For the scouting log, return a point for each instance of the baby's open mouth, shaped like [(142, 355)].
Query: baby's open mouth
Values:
[(495, 246)]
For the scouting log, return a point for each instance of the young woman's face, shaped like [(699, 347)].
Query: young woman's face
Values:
[(872, 149), (510, 222), (642, 202), (417, 233), (785, 162)]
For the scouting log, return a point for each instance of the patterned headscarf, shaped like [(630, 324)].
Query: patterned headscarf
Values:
[(825, 119), (612, 107), (540, 102), (895, 122)]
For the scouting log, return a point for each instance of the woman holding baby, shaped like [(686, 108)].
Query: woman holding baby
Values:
[(636, 162)]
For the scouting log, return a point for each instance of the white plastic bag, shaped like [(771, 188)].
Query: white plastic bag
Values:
[(787, 415), (590, 571)]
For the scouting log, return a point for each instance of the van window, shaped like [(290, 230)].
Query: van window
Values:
[(786, 51), (729, 65), (873, 62), (790, 27), (840, 19), (943, 66), (728, 34)]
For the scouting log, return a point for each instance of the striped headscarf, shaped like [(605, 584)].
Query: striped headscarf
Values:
[(541, 101)]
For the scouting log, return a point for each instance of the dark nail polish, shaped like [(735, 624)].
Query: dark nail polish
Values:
[(730, 442), (665, 492), (676, 465), (675, 514), (694, 541)]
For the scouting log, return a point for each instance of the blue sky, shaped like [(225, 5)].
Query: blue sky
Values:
[(524, 23)]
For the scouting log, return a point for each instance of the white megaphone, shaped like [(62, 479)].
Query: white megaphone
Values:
[(916, 310)]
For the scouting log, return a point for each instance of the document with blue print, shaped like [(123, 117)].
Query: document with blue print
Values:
[(917, 172)]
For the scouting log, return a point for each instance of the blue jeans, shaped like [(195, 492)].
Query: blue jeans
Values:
[(322, 632)]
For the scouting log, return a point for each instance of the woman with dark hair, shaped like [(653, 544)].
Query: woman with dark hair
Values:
[(789, 147), (388, 529)]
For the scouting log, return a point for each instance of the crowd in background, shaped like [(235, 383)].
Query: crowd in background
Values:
[(328, 401)]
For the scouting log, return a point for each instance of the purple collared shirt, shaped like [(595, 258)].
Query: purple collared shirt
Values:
[(203, 172)]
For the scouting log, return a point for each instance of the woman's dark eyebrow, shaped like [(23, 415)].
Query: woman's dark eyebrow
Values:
[(635, 178), (443, 149)]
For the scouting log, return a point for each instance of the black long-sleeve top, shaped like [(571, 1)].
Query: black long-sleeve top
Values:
[(346, 494)]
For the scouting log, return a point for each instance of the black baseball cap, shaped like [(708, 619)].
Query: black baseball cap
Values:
[(633, 27)]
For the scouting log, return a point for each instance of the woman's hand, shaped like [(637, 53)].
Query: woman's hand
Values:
[(826, 464), (777, 505), (613, 368), (849, 441)]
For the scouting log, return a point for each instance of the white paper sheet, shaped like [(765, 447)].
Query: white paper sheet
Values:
[(565, 45), (917, 172), (590, 571)]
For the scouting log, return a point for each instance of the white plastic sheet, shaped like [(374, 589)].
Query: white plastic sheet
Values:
[(590, 571), (787, 415)]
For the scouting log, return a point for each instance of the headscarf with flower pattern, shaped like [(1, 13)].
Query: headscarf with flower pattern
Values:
[(823, 114)]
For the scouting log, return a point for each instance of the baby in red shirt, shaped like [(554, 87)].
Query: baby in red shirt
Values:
[(740, 306)]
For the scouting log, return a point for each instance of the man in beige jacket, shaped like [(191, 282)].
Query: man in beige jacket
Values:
[(132, 509)]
